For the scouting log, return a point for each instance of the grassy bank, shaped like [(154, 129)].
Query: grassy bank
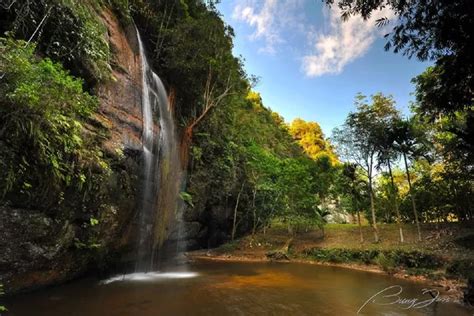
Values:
[(446, 251)]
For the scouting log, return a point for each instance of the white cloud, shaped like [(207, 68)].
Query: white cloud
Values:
[(269, 18), (342, 43)]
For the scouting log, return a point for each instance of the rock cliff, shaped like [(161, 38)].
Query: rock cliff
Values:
[(38, 249)]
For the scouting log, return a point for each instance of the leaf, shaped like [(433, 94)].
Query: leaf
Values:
[(186, 197), (93, 221)]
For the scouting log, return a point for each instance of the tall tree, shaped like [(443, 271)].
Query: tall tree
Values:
[(409, 142), (311, 138), (437, 30), (350, 185), (358, 138), (387, 153)]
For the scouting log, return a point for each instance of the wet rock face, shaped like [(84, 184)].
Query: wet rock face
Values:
[(207, 229), (35, 249), (120, 97)]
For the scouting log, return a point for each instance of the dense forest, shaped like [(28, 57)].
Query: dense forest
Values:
[(239, 154), (237, 150), (246, 168)]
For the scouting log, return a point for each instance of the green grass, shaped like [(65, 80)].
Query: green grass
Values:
[(228, 247), (439, 253)]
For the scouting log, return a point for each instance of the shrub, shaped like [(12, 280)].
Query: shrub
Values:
[(72, 34), (43, 150), (228, 247), (417, 259), (386, 262), (463, 268)]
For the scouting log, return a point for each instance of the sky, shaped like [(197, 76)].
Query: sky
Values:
[(311, 64)]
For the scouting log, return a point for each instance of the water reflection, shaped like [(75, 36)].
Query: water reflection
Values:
[(231, 289), (149, 276)]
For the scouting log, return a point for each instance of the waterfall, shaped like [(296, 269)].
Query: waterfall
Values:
[(160, 208)]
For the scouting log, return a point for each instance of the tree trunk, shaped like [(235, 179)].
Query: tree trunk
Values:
[(254, 228), (185, 145), (290, 229), (234, 224), (395, 202), (372, 210), (360, 228), (412, 197)]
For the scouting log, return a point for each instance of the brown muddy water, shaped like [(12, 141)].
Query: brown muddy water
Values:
[(231, 288)]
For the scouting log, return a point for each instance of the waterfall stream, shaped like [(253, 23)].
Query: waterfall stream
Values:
[(161, 206)]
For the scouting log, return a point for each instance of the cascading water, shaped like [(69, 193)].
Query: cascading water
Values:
[(160, 209)]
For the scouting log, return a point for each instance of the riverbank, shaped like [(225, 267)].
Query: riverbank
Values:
[(442, 260)]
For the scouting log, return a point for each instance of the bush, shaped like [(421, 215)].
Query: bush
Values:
[(122, 9), (228, 247), (72, 34), (461, 269), (417, 259), (43, 151), (343, 255), (387, 260), (387, 263)]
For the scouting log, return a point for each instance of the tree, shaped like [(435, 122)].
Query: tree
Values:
[(438, 30), (444, 184), (458, 122), (353, 187), (262, 169), (385, 138), (408, 142), (358, 139), (311, 138)]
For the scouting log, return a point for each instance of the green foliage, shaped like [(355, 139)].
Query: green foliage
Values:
[(463, 268), (71, 33), (351, 187), (439, 30), (2, 308), (229, 246), (451, 105), (311, 138), (122, 9), (338, 255), (186, 197), (240, 150), (251, 145), (93, 221), (43, 150), (191, 47), (89, 238), (386, 259), (387, 263), (89, 245)]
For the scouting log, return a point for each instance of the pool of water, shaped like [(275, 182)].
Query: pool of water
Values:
[(228, 288)]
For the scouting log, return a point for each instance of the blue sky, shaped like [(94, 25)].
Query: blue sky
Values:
[(310, 64)]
